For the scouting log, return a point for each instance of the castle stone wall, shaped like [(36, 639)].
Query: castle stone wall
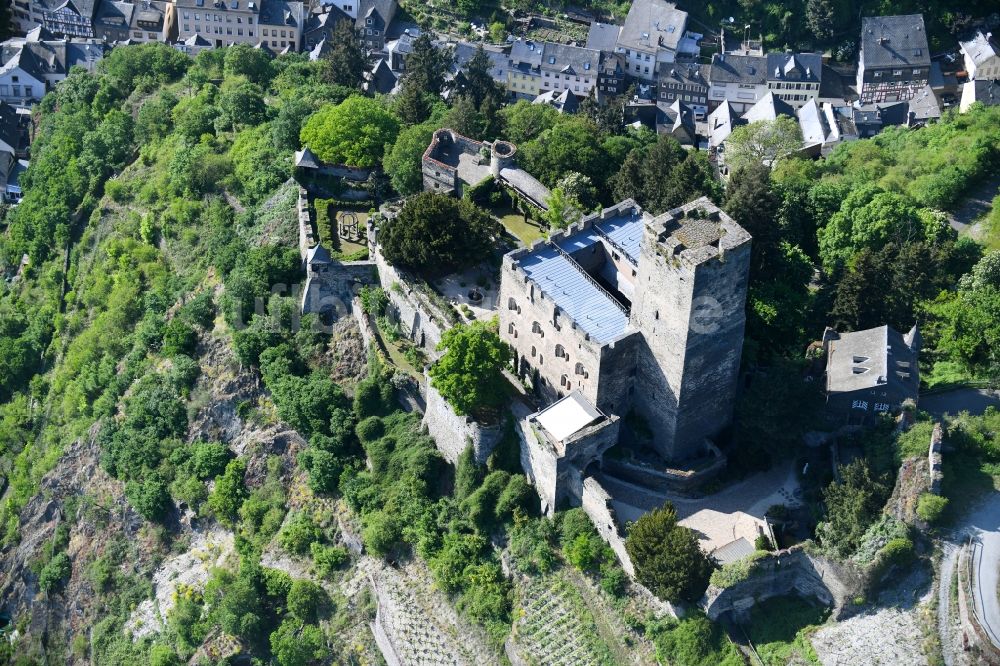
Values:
[(792, 571), (332, 287), (453, 432), (414, 315), (596, 502)]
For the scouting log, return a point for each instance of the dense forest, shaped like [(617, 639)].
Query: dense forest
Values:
[(155, 221)]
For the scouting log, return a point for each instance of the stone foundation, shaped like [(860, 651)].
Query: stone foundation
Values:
[(453, 433), (792, 571)]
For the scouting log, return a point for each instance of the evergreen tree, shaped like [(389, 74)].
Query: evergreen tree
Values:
[(752, 202), (667, 557), (346, 58), (426, 65)]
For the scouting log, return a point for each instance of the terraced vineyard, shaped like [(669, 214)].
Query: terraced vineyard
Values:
[(557, 627)]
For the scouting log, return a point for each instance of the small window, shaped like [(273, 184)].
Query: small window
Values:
[(511, 303)]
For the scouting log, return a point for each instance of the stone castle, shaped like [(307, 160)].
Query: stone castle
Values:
[(624, 312)]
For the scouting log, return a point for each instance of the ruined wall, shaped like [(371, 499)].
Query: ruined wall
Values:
[(936, 472), (538, 460), (306, 237), (332, 287), (453, 433), (415, 316), (556, 476), (792, 571), (596, 502)]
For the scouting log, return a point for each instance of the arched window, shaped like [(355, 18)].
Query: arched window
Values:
[(511, 330), (564, 381), (580, 370), (533, 352), (537, 328), (560, 352), (511, 304)]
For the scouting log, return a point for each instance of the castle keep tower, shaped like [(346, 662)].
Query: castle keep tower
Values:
[(689, 307)]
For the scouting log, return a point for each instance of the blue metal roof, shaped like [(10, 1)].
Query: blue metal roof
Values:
[(574, 292), (626, 231)]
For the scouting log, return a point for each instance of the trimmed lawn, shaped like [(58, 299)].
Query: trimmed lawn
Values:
[(514, 222)]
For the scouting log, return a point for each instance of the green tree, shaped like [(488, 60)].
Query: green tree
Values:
[(149, 497), (436, 234), (821, 17), (851, 506), (524, 121), (663, 175), (178, 338), (470, 372), (295, 645), (345, 59), (353, 132), (402, 162), (245, 60), (306, 600), (572, 144), (763, 142), (229, 492), (55, 572), (562, 210), (242, 105), (468, 473), (754, 205), (667, 557), (426, 65)]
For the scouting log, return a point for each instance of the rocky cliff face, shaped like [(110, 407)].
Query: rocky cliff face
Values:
[(85, 510)]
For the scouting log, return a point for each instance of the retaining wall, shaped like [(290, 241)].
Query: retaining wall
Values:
[(792, 571), (453, 433), (597, 505), (418, 319)]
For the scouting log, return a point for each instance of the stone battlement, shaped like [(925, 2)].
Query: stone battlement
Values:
[(697, 232)]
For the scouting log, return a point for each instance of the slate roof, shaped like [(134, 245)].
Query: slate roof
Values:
[(813, 122), (986, 92), (795, 67), (721, 122), (874, 357), (653, 24), (561, 279), (687, 74), (566, 59), (526, 55), (981, 48), (769, 107), (563, 101), (463, 53), (384, 8), (114, 14), (746, 69), (925, 105), (282, 13), (10, 128), (893, 41), (603, 36)]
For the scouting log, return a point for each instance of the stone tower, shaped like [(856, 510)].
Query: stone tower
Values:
[(689, 307)]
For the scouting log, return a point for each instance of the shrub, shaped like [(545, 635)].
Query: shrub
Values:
[(298, 533), (55, 573), (306, 599), (374, 300), (381, 532), (229, 492), (931, 507), (370, 429), (178, 338), (149, 497), (763, 543), (327, 558)]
